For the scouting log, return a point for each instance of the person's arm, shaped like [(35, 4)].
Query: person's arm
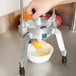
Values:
[(43, 6), (67, 1)]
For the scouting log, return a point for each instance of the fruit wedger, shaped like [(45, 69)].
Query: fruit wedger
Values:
[(36, 31)]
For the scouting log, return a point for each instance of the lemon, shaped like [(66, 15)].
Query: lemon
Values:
[(43, 53), (27, 16), (39, 45)]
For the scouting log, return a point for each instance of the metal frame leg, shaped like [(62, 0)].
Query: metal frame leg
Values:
[(61, 44), (24, 55)]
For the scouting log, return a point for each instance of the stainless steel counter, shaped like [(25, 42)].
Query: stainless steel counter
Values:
[(10, 53)]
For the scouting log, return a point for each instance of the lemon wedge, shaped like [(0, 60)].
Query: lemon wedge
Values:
[(43, 53), (39, 45), (27, 16)]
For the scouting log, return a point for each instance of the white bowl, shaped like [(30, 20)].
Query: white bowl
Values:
[(33, 55)]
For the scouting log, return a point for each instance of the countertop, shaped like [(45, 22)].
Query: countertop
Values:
[(10, 52)]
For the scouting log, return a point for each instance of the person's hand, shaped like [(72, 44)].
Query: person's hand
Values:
[(41, 7)]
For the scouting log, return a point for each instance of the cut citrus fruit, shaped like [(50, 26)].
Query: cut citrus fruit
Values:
[(39, 45), (43, 53), (27, 16)]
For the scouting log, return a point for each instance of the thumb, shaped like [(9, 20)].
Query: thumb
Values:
[(29, 9), (36, 15)]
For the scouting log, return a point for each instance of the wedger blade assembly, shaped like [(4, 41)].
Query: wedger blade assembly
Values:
[(39, 29)]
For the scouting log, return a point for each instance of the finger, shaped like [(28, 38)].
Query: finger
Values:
[(29, 9), (36, 15), (44, 15)]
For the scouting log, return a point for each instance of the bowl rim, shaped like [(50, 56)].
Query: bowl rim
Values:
[(29, 55)]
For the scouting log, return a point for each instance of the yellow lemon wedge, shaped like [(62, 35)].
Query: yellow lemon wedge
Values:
[(43, 53), (39, 45), (27, 16)]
